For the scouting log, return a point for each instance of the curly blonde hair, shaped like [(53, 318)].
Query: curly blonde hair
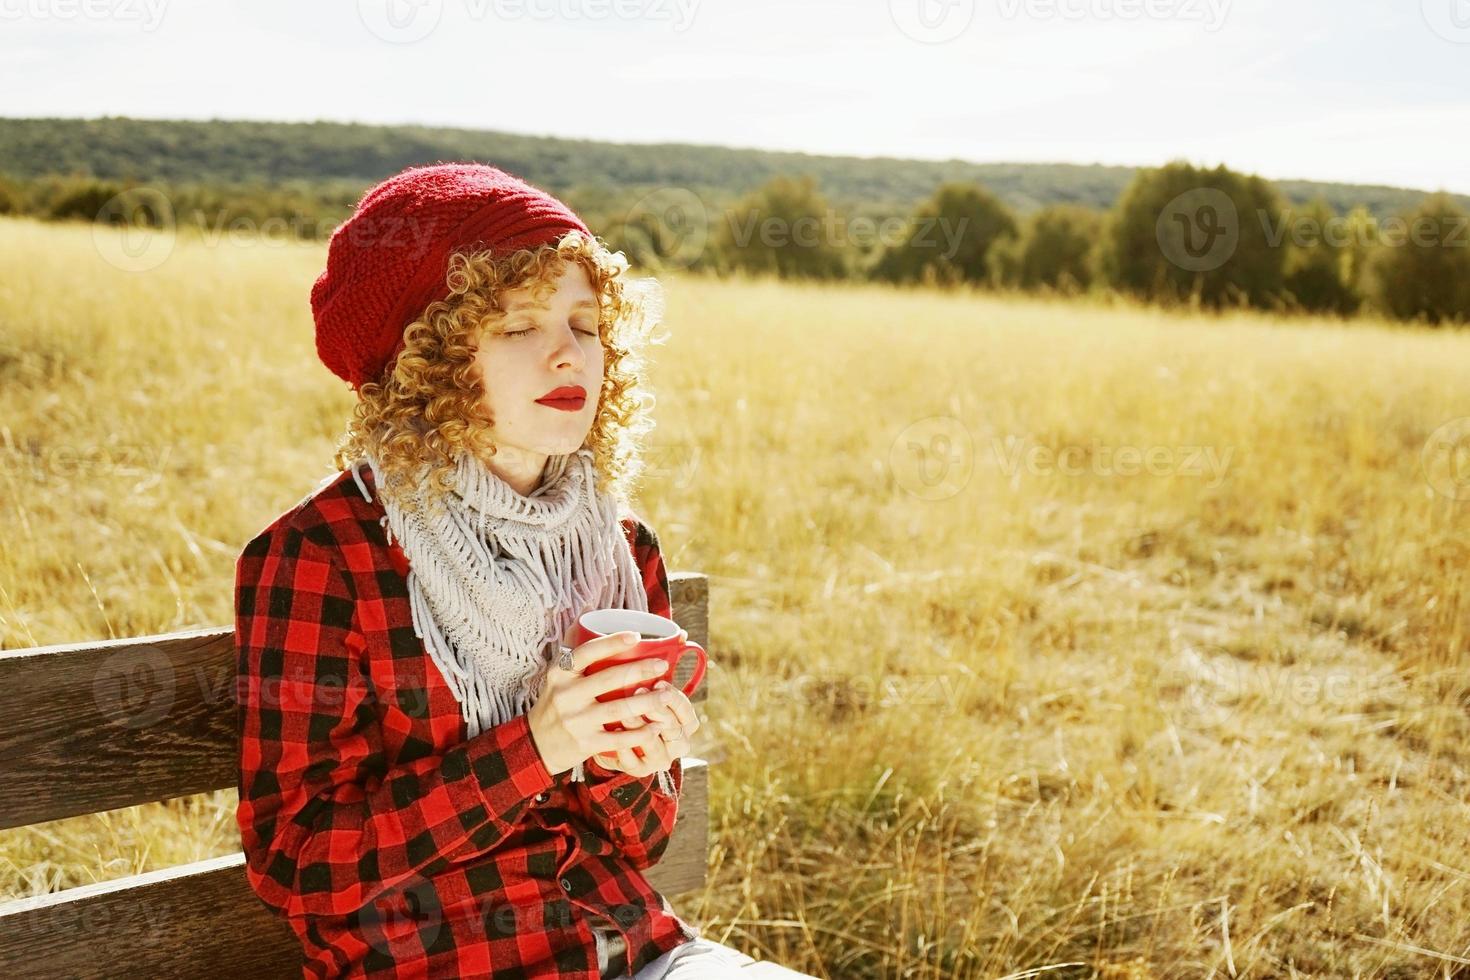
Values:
[(428, 407)]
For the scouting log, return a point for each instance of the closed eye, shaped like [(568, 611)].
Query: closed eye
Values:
[(521, 333)]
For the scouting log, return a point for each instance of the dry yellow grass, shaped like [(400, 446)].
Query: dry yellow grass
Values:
[(983, 710)]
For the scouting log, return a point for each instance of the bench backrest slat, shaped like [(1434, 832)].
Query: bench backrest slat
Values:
[(91, 727)]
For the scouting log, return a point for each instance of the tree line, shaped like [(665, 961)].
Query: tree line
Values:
[(1176, 234), (263, 154)]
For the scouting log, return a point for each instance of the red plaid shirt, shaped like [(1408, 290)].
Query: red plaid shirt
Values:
[(393, 845)]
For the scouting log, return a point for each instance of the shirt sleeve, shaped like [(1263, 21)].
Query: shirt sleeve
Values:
[(326, 825), (636, 814)]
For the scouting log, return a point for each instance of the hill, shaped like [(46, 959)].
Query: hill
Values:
[(320, 155)]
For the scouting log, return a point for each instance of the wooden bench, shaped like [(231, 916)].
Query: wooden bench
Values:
[(86, 728)]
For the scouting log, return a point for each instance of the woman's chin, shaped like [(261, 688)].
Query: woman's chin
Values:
[(565, 445)]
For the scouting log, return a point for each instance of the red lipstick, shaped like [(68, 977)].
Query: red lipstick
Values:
[(569, 398)]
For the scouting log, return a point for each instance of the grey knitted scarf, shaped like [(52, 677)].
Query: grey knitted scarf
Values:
[(496, 578)]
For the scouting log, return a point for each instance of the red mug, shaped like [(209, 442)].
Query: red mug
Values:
[(661, 642)]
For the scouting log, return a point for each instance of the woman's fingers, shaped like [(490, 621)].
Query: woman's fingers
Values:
[(659, 753), (676, 743), (683, 722), (679, 708), (636, 734), (655, 757), (661, 714), (669, 727), (629, 762)]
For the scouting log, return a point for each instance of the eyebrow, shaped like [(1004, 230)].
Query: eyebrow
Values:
[(579, 305)]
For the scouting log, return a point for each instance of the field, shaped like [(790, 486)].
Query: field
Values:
[(1075, 637)]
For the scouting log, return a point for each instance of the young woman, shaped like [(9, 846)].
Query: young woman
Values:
[(426, 784)]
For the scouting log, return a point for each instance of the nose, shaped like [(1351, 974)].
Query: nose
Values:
[(568, 353)]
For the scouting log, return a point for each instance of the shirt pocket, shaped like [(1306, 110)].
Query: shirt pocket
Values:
[(418, 712)]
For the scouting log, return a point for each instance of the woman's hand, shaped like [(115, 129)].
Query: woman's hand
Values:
[(567, 719), (668, 735)]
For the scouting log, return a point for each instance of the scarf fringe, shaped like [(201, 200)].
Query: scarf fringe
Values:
[(497, 578)]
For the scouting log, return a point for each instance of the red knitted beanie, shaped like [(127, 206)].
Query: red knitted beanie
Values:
[(389, 260)]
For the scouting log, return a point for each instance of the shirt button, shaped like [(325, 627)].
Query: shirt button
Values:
[(566, 884)]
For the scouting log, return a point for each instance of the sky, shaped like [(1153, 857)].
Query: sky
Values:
[(1361, 91)]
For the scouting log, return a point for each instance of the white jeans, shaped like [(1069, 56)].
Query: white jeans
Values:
[(705, 959)]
